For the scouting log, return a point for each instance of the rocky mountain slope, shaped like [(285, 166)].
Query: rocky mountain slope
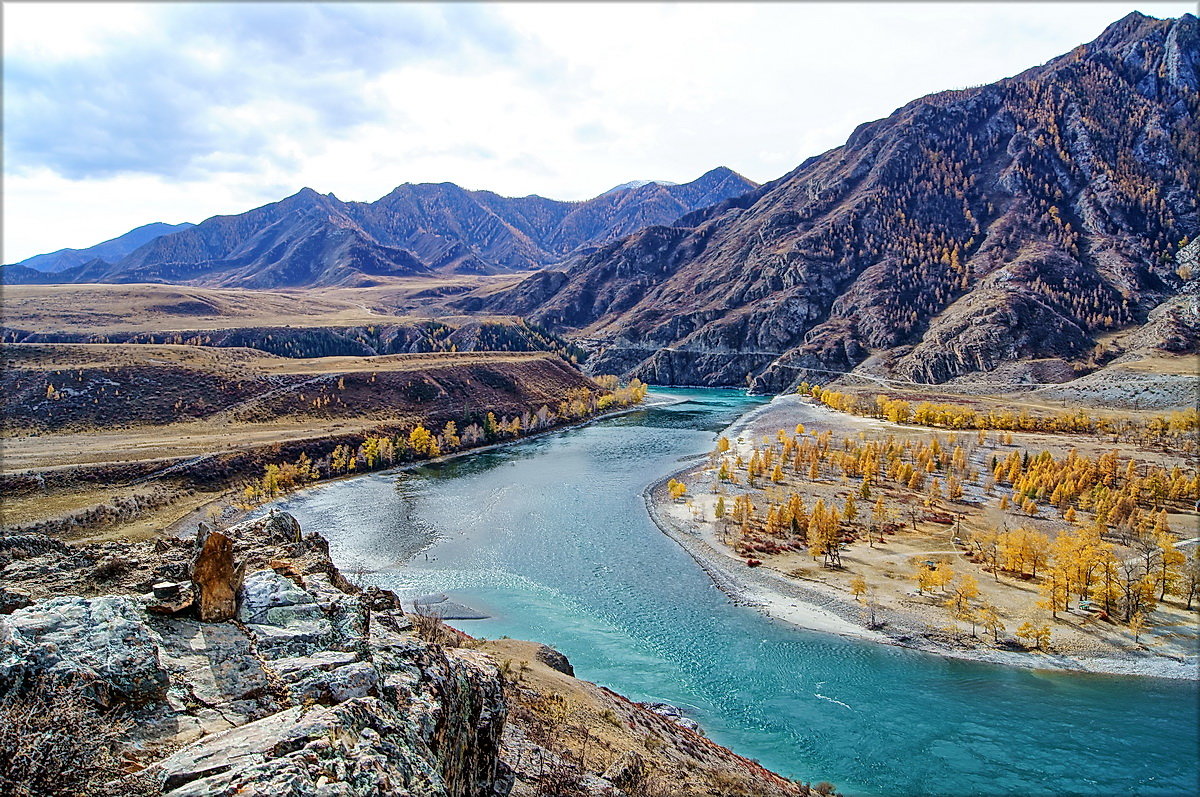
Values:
[(311, 239), (110, 250), (245, 663), (1018, 220)]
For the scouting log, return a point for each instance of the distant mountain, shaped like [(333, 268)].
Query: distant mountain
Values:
[(312, 239), (110, 250), (1020, 220), (638, 184)]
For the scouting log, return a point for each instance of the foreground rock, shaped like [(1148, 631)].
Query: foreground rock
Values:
[(311, 686), (308, 690)]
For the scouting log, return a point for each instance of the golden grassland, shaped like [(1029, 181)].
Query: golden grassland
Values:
[(72, 356)]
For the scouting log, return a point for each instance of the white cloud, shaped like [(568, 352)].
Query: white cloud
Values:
[(124, 114)]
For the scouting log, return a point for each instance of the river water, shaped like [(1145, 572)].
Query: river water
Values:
[(550, 537)]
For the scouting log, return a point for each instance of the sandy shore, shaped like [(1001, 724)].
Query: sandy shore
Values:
[(817, 607)]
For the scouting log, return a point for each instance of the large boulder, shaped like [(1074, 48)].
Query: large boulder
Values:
[(554, 660), (104, 641)]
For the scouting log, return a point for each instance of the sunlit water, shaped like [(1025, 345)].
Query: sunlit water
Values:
[(551, 538)]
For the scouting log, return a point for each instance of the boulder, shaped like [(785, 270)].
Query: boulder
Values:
[(554, 660), (215, 576), (13, 598), (674, 714), (103, 640)]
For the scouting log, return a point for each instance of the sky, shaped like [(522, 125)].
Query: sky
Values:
[(120, 114)]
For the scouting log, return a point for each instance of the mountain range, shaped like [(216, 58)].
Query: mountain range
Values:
[(1035, 218), (317, 240), (111, 250), (1025, 219)]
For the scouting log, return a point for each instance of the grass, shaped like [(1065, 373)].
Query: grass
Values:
[(106, 309), (234, 361)]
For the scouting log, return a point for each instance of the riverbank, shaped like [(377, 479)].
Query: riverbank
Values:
[(814, 605), (221, 508), (111, 441)]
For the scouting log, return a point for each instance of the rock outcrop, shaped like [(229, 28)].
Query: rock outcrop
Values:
[(215, 576), (315, 687)]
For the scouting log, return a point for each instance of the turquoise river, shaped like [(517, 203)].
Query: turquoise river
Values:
[(551, 538)]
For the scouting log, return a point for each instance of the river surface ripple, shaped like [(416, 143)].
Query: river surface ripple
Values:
[(551, 538)]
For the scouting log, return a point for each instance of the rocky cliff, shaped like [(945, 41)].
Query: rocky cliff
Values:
[(313, 687), (306, 684), (1019, 220)]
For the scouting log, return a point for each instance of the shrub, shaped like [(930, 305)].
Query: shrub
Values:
[(55, 742)]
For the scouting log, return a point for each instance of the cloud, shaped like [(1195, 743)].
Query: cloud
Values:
[(121, 114), (227, 86)]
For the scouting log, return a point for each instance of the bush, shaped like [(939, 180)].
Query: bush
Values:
[(55, 742)]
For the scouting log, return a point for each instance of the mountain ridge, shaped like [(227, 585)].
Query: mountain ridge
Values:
[(973, 227), (113, 248), (317, 240)]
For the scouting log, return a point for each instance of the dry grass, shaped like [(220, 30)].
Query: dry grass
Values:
[(156, 308), (55, 742), (234, 361), (1180, 364)]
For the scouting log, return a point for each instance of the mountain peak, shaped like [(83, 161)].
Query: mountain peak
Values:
[(1126, 29), (723, 173), (636, 184)]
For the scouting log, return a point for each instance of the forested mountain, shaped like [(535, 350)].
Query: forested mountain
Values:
[(312, 239), (111, 250), (1017, 220)]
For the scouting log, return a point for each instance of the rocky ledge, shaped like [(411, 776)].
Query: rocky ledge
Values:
[(243, 662), (306, 685)]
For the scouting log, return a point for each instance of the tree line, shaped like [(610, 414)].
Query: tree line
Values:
[(1177, 431), (381, 451)]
